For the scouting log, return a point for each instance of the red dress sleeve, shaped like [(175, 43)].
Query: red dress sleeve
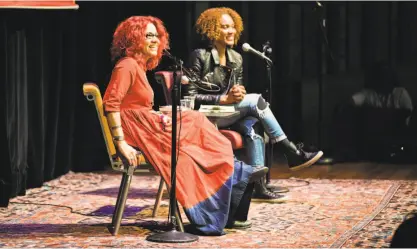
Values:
[(121, 80)]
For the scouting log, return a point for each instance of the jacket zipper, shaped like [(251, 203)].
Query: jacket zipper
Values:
[(230, 80)]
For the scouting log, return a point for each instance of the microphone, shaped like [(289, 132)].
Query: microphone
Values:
[(247, 48), (319, 4)]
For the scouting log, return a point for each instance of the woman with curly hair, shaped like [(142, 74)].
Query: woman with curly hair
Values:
[(211, 186), (219, 64)]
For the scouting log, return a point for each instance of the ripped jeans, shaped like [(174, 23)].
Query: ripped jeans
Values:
[(254, 149), (253, 108)]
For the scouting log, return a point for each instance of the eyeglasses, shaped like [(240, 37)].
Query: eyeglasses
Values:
[(150, 36)]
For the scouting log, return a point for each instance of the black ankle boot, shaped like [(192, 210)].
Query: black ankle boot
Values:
[(298, 158), (277, 189), (261, 193), (257, 173)]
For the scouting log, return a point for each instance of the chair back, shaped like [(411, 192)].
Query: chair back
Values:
[(166, 79), (92, 93)]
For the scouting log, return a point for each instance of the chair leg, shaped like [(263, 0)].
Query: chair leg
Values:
[(119, 195), (158, 197), (120, 204), (268, 160)]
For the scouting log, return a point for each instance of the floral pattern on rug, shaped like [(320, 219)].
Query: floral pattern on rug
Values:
[(75, 209)]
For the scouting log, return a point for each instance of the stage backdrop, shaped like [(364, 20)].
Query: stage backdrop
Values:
[(47, 127)]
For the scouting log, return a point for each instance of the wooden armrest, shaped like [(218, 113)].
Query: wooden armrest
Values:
[(91, 89)]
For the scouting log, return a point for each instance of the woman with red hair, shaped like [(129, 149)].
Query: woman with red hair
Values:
[(211, 186)]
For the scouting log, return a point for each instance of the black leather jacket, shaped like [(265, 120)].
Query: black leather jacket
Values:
[(205, 63)]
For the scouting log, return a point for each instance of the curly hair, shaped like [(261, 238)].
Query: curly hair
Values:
[(128, 37), (208, 23)]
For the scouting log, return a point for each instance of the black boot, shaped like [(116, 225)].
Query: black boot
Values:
[(257, 173), (298, 158), (277, 189), (262, 194)]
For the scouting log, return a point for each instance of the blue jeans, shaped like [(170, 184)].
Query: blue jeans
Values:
[(254, 144), (243, 123)]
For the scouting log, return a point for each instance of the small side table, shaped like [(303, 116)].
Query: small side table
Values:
[(214, 117)]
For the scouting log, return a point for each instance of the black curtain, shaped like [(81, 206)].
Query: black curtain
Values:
[(38, 72)]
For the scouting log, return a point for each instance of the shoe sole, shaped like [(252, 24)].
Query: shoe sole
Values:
[(279, 191), (308, 163), (242, 225), (241, 228), (276, 201)]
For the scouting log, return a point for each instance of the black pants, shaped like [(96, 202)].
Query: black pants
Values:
[(239, 210)]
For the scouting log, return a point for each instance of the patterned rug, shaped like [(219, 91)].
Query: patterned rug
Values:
[(74, 210)]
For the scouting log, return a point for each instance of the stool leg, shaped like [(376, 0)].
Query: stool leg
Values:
[(158, 197)]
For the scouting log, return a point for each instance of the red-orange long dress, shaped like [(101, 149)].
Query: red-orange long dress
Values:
[(205, 168)]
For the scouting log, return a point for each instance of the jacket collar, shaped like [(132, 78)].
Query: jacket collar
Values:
[(229, 56)]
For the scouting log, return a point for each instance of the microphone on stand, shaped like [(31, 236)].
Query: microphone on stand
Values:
[(247, 48), (190, 77), (266, 48)]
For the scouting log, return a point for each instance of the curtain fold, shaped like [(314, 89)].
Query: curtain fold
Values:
[(17, 110), (40, 87)]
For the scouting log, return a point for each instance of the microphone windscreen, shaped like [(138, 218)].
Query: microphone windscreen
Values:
[(245, 47)]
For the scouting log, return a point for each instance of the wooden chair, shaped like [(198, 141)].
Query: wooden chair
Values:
[(92, 93)]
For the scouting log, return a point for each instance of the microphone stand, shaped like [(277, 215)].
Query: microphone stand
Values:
[(322, 41), (267, 50), (173, 236)]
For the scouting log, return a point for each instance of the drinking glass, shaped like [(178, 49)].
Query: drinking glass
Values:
[(192, 101), (186, 104)]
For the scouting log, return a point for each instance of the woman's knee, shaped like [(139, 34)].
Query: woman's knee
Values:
[(255, 100), (261, 104), (252, 136)]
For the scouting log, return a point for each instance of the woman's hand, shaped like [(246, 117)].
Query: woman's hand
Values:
[(185, 80), (166, 123), (239, 92), (128, 152), (235, 95)]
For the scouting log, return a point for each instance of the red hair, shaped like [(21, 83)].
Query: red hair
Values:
[(128, 38)]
